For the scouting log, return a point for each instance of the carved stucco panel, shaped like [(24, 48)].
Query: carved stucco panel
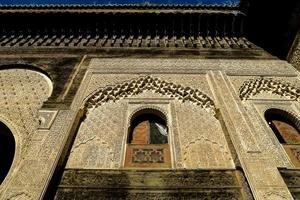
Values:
[(148, 83), (268, 142), (189, 80), (202, 138), (239, 81), (236, 122), (99, 137), (34, 171), (253, 87), (262, 172), (102, 80), (192, 66), (274, 194), (22, 94)]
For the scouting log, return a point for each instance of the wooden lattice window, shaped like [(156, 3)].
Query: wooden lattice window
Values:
[(148, 141)]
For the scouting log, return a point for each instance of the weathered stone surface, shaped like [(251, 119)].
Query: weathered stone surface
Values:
[(22, 94), (158, 184), (294, 54)]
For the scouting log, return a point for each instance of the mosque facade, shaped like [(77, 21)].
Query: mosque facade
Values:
[(145, 101)]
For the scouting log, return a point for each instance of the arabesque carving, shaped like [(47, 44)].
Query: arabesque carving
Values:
[(137, 86), (253, 87)]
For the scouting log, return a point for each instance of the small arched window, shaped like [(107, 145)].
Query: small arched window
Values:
[(148, 128), (7, 150), (286, 128), (284, 125), (147, 144)]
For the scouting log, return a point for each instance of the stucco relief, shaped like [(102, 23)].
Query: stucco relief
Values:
[(191, 80), (202, 139), (144, 83), (278, 194), (268, 142), (21, 99), (256, 86), (258, 95), (22, 94), (98, 143), (107, 104), (102, 80), (192, 66)]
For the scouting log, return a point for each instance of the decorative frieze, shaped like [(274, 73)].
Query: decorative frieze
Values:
[(137, 86), (255, 86)]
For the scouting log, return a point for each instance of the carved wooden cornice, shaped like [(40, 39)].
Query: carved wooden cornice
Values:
[(120, 27)]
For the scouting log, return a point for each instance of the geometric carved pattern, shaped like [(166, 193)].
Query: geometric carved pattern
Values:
[(137, 86), (99, 139), (23, 92), (148, 156), (255, 86)]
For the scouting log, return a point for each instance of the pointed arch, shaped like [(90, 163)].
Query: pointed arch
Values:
[(137, 86), (253, 87)]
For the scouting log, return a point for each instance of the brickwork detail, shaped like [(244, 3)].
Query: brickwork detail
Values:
[(255, 86)]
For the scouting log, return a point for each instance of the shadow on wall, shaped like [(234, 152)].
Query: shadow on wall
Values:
[(273, 25)]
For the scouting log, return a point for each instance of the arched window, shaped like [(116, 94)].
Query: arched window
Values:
[(7, 150), (148, 128), (283, 125), (286, 128), (147, 144)]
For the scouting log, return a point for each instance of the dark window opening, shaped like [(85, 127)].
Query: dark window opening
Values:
[(7, 150), (283, 125), (148, 128)]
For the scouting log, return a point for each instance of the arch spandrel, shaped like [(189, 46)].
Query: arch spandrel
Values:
[(23, 92), (257, 86), (108, 114), (141, 84)]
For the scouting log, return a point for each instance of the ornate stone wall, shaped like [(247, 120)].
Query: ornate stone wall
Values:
[(202, 139), (188, 91), (101, 139), (22, 94)]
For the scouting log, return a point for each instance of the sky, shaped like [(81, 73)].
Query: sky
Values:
[(120, 2)]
